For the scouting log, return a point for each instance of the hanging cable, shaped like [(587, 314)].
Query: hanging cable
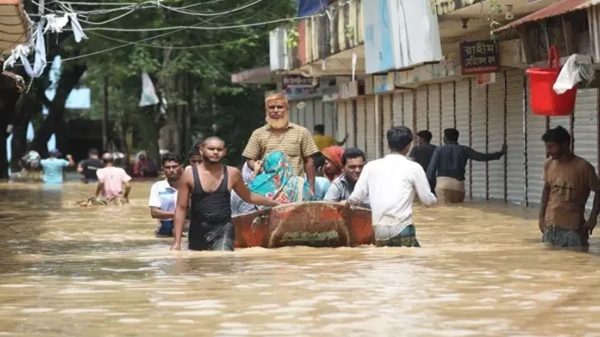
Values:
[(237, 9), (209, 45), (158, 29)]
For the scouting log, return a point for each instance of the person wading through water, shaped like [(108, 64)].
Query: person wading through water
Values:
[(209, 184), (568, 181)]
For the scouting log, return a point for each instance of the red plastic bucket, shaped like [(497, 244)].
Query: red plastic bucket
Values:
[(544, 101)]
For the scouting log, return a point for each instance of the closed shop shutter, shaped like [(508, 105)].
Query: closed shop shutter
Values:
[(306, 115), (564, 121), (536, 155), (397, 110), (585, 131), (317, 111), (341, 120), (370, 125), (388, 100), (294, 112), (421, 114), (496, 100), (320, 115), (361, 125), (434, 112), (350, 124), (462, 121), (329, 118), (408, 112), (515, 139), (479, 135), (447, 107)]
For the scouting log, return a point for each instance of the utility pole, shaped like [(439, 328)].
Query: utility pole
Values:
[(105, 116)]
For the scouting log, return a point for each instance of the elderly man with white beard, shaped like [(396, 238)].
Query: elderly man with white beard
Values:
[(280, 134)]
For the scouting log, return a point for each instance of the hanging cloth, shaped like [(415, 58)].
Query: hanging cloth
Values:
[(149, 96), (78, 33), (39, 61)]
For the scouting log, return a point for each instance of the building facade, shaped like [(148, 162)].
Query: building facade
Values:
[(433, 92)]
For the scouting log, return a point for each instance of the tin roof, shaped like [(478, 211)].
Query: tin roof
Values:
[(14, 25), (556, 9)]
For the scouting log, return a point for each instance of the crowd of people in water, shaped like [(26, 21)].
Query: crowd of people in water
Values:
[(285, 163)]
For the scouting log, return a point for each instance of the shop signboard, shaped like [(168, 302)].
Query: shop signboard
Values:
[(351, 89), (477, 57), (383, 83), (298, 85), (400, 34), (330, 94)]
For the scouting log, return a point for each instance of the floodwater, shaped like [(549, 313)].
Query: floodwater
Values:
[(71, 271)]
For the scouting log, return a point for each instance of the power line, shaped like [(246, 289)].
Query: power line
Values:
[(158, 29), (237, 9), (208, 45)]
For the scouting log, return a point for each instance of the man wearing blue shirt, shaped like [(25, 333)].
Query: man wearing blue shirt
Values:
[(53, 167)]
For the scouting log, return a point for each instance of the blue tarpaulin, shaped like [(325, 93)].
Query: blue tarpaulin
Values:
[(310, 7)]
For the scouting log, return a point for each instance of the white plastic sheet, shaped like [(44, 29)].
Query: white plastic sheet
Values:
[(149, 96)]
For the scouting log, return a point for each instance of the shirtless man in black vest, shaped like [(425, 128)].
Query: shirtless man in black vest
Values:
[(209, 184)]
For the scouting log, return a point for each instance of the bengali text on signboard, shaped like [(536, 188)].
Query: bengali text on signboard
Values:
[(478, 57)]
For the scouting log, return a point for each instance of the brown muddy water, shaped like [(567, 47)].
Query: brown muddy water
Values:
[(71, 271)]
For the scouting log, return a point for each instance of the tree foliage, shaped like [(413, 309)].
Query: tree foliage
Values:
[(203, 60)]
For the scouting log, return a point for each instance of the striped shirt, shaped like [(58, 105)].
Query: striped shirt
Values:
[(296, 142)]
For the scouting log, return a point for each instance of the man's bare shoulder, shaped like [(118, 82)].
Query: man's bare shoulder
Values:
[(187, 177), (234, 171)]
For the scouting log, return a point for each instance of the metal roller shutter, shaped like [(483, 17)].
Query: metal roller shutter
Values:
[(447, 107), (306, 115), (317, 111), (586, 128), (361, 126), (398, 110), (515, 139), (341, 120), (496, 113), (387, 121), (350, 124), (564, 121), (320, 115), (536, 155), (462, 121), (408, 110), (294, 112), (479, 138), (370, 128), (421, 114), (329, 118), (434, 113)]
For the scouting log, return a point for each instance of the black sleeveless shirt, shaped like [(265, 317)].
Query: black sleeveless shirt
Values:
[(214, 207)]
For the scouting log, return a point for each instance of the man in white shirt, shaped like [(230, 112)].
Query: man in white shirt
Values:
[(163, 195), (390, 184)]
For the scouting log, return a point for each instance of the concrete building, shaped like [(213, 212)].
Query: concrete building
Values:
[(364, 74)]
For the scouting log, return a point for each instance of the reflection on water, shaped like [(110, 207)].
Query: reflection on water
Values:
[(71, 271)]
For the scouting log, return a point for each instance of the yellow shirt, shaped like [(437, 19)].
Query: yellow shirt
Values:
[(324, 141), (296, 142)]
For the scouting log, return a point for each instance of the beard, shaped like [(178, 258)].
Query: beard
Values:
[(279, 123)]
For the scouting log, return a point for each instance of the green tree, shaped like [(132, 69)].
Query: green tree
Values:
[(190, 67)]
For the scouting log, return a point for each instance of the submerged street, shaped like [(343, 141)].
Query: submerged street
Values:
[(99, 271)]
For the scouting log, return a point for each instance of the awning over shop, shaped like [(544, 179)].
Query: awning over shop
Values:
[(260, 75), (14, 26), (556, 9)]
